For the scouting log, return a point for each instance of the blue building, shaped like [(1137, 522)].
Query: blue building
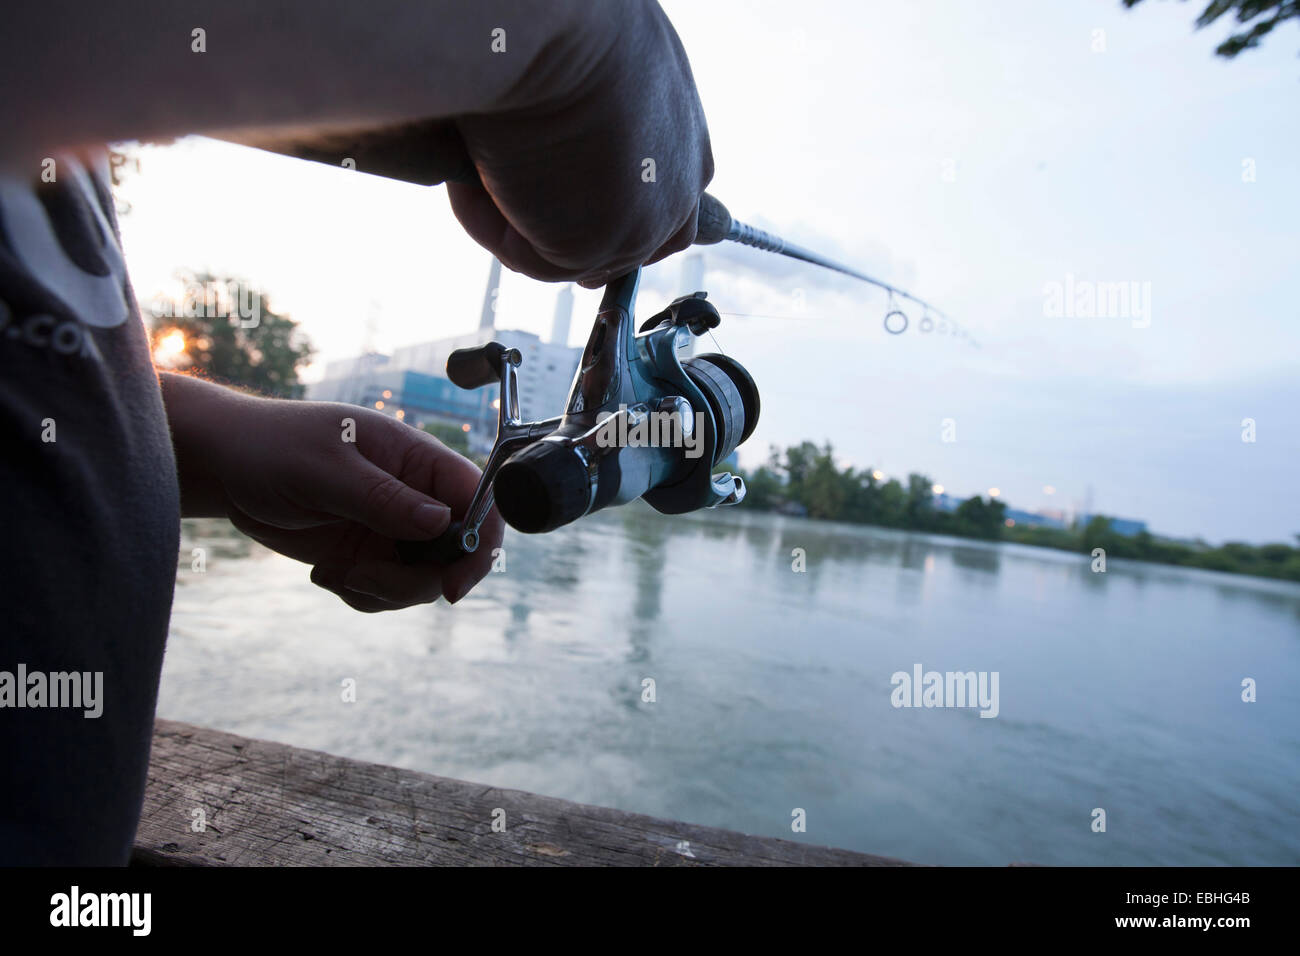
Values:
[(1033, 519), (412, 384), (417, 398)]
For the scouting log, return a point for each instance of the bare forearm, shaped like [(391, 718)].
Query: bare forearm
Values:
[(81, 73), (199, 414)]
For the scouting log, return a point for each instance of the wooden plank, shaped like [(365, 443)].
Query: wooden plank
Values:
[(268, 804)]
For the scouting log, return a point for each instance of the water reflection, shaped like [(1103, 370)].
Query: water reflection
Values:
[(985, 559), (915, 551), (518, 626), (773, 686), (216, 538), (561, 564), (645, 547)]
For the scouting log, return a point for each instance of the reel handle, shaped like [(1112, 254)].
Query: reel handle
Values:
[(472, 368)]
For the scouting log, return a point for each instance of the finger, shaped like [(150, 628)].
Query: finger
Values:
[(681, 239), (425, 464), (302, 544), (396, 583), (365, 493), (367, 604), (331, 579), (486, 225), (603, 276), (445, 474), (419, 460), (460, 576)]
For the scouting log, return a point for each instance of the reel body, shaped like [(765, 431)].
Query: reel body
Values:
[(639, 423)]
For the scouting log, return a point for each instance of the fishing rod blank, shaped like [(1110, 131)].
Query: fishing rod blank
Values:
[(716, 225)]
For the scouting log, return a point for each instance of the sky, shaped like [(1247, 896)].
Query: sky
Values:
[(976, 154)]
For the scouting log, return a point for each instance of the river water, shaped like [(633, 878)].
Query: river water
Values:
[(1119, 691)]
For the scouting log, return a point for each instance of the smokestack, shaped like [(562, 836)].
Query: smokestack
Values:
[(487, 319), (563, 315)]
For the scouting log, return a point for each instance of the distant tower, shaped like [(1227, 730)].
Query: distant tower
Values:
[(488, 319), (369, 351), (563, 315), (692, 280)]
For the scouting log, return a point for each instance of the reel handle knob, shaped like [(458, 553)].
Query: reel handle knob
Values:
[(449, 546), (475, 367)]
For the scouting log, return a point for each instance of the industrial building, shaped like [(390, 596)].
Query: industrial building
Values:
[(412, 384)]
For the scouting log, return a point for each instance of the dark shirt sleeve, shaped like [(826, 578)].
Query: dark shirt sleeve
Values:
[(91, 523)]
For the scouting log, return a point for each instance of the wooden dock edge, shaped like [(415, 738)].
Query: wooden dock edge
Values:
[(217, 799)]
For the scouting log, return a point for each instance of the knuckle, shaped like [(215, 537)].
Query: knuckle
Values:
[(380, 494)]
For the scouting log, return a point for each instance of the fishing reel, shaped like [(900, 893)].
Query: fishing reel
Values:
[(640, 422)]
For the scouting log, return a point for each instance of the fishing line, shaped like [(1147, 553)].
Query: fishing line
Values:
[(783, 318)]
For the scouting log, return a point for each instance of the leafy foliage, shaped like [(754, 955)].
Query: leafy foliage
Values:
[(1246, 11), (1267, 560), (227, 341), (804, 479), (450, 435)]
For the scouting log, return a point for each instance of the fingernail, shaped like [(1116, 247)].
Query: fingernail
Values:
[(431, 518), (362, 584)]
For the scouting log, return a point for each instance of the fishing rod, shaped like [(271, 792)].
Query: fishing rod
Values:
[(717, 225), (640, 420)]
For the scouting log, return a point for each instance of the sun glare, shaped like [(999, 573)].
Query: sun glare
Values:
[(170, 346)]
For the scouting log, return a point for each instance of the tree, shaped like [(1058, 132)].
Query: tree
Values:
[(861, 499), (920, 502), (763, 489), (1246, 11), (799, 461), (1097, 534), (823, 488), (453, 436), (225, 330), (979, 518), (893, 504)]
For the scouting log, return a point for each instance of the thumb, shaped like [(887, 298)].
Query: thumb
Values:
[(370, 496)]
